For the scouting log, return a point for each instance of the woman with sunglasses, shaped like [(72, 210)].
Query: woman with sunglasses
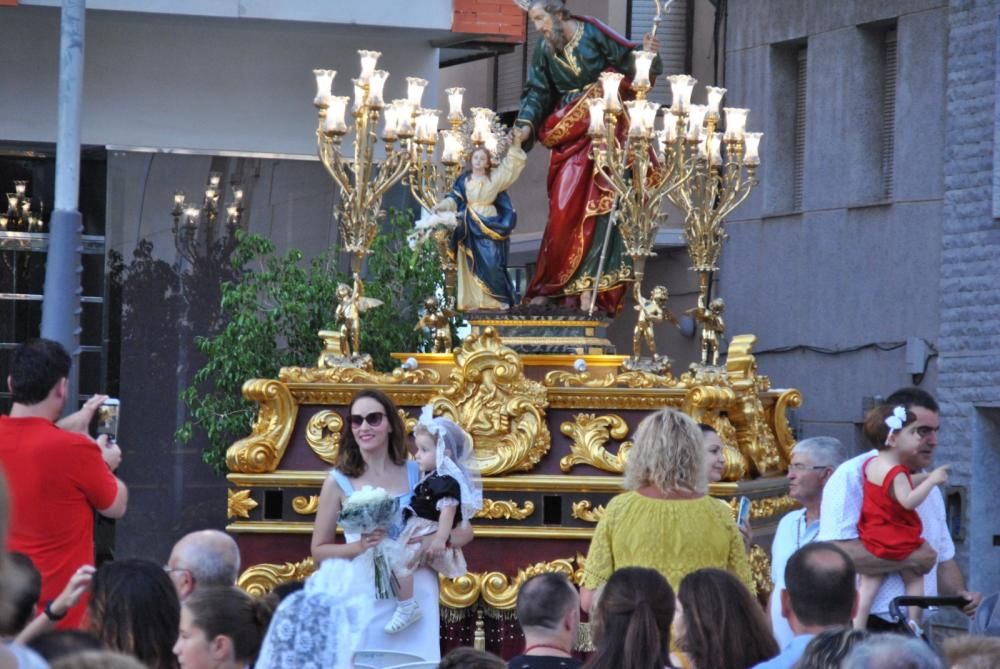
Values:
[(374, 453)]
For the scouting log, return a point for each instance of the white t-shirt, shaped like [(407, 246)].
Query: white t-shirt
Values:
[(840, 511), (793, 532)]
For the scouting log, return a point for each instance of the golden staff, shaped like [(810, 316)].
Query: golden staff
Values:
[(659, 14)]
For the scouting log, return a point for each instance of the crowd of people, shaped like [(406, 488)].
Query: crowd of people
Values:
[(666, 582)]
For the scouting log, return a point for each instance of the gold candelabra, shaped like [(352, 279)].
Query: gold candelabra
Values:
[(639, 176), (362, 180), (190, 219), (724, 169), (20, 215)]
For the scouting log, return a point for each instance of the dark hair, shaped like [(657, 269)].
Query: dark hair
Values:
[(26, 588), (470, 658), (36, 366), (820, 580), (282, 590), (544, 600), (134, 609), (97, 659), (914, 397), (57, 643), (228, 611), (349, 461), (724, 626), (875, 429), (829, 648), (631, 626)]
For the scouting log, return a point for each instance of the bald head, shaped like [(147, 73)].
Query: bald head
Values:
[(820, 581), (203, 559)]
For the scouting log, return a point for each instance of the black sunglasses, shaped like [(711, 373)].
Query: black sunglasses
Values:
[(374, 419)]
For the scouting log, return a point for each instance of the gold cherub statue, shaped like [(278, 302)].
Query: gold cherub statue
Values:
[(713, 327), (436, 318), (351, 304), (651, 311)]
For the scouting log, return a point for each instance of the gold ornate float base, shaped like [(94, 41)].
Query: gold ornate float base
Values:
[(552, 434)]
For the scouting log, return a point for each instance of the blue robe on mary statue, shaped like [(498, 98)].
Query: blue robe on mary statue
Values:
[(481, 241)]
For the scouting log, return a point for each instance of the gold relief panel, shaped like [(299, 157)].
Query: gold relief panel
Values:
[(505, 509), (499, 590), (305, 506), (620, 399), (493, 401), (755, 439), (262, 578), (629, 379), (262, 450), (239, 504), (584, 511), (323, 434), (357, 375), (760, 569), (589, 434)]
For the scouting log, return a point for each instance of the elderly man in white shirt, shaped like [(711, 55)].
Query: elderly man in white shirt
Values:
[(841, 510), (813, 462)]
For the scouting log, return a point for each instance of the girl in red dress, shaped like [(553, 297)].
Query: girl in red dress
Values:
[(889, 526)]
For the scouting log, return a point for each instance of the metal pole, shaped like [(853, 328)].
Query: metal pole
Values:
[(63, 268)]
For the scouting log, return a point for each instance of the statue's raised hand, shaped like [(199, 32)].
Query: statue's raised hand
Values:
[(650, 43)]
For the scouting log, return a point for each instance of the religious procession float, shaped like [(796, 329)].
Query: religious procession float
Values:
[(549, 404)]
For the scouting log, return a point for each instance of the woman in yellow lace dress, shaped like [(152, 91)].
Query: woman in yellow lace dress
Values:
[(665, 520)]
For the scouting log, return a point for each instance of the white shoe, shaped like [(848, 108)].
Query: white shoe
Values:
[(404, 616)]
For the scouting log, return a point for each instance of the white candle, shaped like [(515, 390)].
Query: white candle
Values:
[(455, 102), (415, 90), (375, 86), (596, 108), (360, 94), (643, 61), (649, 117), (427, 123), (681, 86), (715, 149), (368, 62), (670, 126), (696, 121), (751, 141), (482, 120), (452, 151), (404, 118), (715, 95), (391, 114), (610, 81), (334, 123), (324, 86), (491, 143), (736, 122), (634, 109)]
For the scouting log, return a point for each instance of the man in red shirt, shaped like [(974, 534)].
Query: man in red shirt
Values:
[(57, 478)]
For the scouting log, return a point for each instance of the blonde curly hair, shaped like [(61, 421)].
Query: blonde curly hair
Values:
[(667, 453)]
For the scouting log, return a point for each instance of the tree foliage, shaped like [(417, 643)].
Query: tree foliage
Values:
[(275, 306)]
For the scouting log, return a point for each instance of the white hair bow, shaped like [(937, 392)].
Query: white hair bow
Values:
[(895, 421)]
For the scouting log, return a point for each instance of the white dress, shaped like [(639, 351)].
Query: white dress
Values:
[(423, 638)]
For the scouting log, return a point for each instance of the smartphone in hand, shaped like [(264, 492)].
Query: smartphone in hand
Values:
[(107, 418), (743, 513)]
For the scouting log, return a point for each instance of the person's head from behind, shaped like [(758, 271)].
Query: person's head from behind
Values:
[(819, 588), (221, 627), (375, 426), (719, 623), (205, 558), (891, 651), (548, 608), (828, 649), (58, 643), (631, 626), (470, 658), (812, 464), (667, 453), (25, 587), (134, 609), (39, 371), (972, 652)]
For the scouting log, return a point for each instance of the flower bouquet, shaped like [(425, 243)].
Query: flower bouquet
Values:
[(429, 224), (365, 511)]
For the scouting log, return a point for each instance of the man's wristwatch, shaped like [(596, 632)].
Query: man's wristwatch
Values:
[(52, 615)]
